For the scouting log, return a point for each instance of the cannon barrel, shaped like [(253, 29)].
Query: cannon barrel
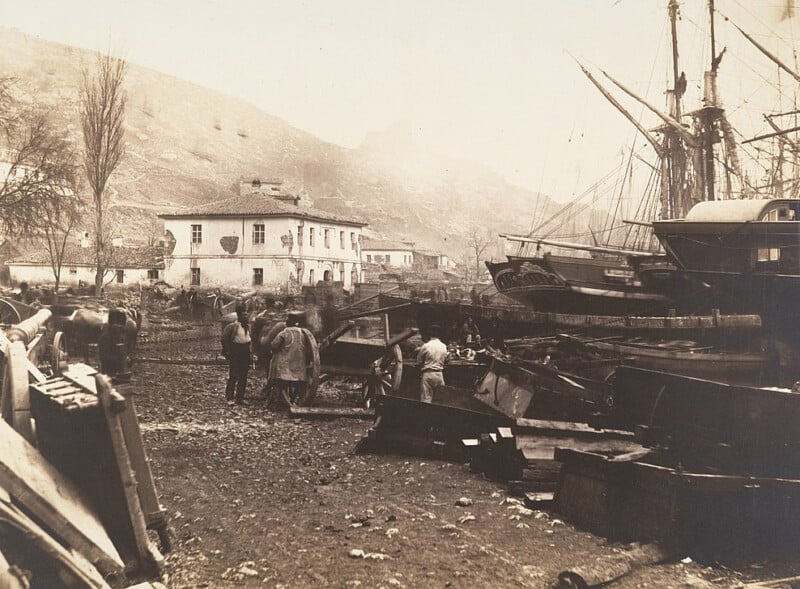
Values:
[(401, 337), (26, 330), (336, 334)]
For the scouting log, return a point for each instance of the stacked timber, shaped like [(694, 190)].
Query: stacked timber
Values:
[(76, 491), (723, 465), (524, 454), (408, 426)]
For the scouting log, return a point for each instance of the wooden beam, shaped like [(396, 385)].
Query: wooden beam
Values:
[(72, 564), (42, 490), (148, 554), (323, 412)]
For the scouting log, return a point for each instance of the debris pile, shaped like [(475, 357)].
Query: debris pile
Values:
[(76, 492)]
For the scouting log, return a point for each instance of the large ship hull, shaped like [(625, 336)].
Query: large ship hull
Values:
[(751, 267), (564, 284)]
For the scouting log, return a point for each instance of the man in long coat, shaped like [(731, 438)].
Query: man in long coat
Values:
[(292, 355)]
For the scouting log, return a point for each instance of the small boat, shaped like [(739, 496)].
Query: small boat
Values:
[(687, 358)]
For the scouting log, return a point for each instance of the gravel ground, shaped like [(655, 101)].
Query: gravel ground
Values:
[(257, 499)]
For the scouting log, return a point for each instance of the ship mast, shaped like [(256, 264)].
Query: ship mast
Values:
[(711, 100), (675, 201)]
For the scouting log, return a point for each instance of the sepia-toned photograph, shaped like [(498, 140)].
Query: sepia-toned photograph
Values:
[(395, 294)]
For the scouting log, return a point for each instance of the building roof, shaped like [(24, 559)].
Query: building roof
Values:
[(75, 255), (425, 252), (386, 245), (260, 206)]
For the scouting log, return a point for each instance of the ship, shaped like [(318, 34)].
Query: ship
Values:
[(748, 251), (643, 280)]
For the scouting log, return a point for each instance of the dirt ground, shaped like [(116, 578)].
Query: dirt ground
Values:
[(258, 499)]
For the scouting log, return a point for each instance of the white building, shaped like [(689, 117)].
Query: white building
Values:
[(399, 254), (261, 238), (127, 265)]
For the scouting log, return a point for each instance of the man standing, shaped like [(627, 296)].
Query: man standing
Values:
[(470, 335), (290, 359), (236, 348), (431, 358)]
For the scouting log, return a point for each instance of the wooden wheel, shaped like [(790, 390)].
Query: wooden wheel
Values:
[(15, 400), (8, 313), (386, 376), (58, 355), (307, 396), (216, 307)]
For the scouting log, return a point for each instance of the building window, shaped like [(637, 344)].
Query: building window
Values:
[(258, 276), (388, 259), (197, 234), (353, 241), (353, 276), (311, 237), (258, 233), (369, 258), (328, 238), (152, 274), (73, 270), (311, 275), (341, 276), (341, 239), (768, 254), (195, 277), (120, 276), (299, 235)]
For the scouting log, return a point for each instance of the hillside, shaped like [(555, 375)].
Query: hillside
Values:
[(187, 145)]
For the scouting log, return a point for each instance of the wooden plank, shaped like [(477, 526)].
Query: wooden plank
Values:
[(539, 500), (345, 370), (37, 374), (154, 513), (571, 427), (55, 500), (362, 412), (543, 447), (16, 395), (82, 375), (149, 556), (75, 564), (501, 394), (785, 581)]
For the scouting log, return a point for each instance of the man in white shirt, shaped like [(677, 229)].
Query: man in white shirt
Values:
[(236, 348), (431, 359)]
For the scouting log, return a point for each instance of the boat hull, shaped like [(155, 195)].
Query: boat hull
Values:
[(564, 284), (752, 267)]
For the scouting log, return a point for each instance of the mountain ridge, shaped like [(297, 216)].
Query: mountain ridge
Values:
[(188, 145)]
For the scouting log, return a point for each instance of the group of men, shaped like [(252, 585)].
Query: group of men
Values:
[(289, 363), (289, 366)]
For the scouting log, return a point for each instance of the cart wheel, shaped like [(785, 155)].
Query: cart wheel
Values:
[(387, 374), (216, 308), (309, 394), (8, 314), (58, 354)]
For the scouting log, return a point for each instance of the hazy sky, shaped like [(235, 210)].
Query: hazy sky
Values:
[(491, 81)]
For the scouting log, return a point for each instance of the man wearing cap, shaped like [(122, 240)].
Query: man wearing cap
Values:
[(236, 348), (431, 359)]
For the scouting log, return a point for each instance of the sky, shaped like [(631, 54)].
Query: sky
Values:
[(490, 81)]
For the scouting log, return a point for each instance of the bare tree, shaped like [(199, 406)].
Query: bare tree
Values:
[(102, 109), (155, 232), (478, 242), (59, 217), (37, 163)]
